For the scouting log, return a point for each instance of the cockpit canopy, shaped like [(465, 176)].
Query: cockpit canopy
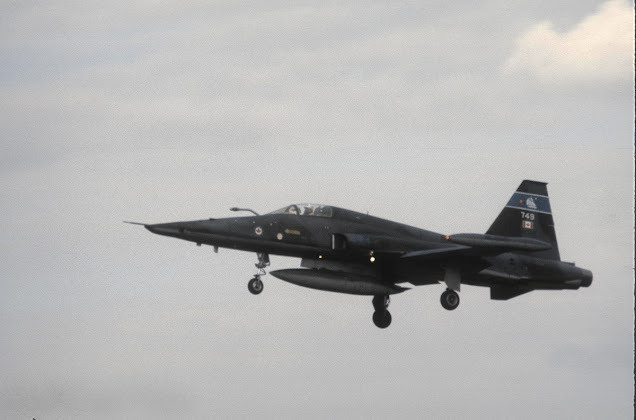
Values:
[(306, 210)]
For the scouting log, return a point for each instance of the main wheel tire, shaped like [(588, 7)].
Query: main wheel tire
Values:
[(255, 286), (382, 319), (450, 300)]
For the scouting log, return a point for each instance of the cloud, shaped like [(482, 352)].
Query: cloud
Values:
[(597, 49)]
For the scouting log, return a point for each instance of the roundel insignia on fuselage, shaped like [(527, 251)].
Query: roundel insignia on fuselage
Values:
[(258, 230)]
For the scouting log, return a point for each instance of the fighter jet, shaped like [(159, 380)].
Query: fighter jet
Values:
[(349, 252)]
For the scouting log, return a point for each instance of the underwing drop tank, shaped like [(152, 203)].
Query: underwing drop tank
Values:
[(336, 281)]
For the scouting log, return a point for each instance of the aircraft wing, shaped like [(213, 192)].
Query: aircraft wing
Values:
[(478, 245), (437, 253)]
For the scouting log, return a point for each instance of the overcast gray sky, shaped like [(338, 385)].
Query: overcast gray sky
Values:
[(429, 113)]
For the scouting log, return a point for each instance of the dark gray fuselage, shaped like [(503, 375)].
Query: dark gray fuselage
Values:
[(347, 240)]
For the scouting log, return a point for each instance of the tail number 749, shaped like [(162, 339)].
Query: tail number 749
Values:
[(527, 216)]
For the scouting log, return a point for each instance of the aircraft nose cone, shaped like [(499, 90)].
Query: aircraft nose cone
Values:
[(151, 228), (168, 229)]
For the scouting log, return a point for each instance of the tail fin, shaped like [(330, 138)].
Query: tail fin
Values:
[(528, 215)]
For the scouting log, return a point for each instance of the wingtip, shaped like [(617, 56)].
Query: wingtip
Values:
[(135, 223)]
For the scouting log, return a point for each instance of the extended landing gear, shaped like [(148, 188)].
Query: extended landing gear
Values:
[(450, 299), (381, 316), (255, 286)]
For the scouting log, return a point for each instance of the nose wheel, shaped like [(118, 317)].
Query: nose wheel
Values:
[(450, 299), (255, 286), (381, 316)]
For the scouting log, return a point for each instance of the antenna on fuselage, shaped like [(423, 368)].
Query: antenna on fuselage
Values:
[(241, 209)]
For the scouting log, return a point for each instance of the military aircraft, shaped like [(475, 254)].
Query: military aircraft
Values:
[(349, 252)]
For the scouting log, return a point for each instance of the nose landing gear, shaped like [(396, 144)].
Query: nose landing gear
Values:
[(255, 286)]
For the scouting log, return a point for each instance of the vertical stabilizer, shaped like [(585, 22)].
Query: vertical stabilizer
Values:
[(528, 215)]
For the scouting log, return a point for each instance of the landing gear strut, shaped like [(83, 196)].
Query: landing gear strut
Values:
[(450, 299), (381, 316), (255, 286)]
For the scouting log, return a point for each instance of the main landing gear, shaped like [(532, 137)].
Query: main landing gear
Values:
[(450, 299), (255, 286), (381, 316)]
